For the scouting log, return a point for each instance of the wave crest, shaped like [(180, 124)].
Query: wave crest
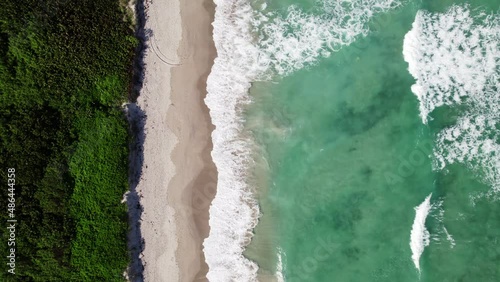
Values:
[(420, 237)]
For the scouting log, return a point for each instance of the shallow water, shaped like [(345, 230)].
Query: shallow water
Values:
[(351, 126)]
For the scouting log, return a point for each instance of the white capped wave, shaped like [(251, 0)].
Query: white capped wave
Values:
[(254, 45), (454, 58), (420, 237), (450, 57)]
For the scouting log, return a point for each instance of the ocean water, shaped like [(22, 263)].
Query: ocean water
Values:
[(355, 141)]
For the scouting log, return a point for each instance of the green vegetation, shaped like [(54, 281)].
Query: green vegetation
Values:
[(65, 69)]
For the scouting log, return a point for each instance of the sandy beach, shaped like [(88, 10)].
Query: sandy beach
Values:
[(178, 178)]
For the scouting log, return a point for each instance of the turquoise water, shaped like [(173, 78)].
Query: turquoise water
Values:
[(343, 157)]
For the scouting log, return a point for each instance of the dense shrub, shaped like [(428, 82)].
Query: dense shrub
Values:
[(65, 69)]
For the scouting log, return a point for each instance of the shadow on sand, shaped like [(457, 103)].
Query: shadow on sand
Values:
[(137, 119)]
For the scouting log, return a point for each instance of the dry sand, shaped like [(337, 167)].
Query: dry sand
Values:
[(178, 179)]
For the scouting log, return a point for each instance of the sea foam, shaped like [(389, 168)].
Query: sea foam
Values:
[(255, 45), (440, 231), (233, 212), (332, 26), (454, 58), (420, 237)]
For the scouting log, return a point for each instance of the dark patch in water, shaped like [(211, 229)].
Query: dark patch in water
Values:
[(352, 253), (383, 104), (367, 173), (347, 212)]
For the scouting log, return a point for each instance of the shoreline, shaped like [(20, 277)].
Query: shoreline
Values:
[(199, 183), (177, 175), (234, 211)]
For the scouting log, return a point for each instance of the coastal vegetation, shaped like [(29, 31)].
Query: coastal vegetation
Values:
[(65, 71)]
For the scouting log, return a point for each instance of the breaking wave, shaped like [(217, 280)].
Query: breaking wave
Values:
[(255, 45), (454, 58), (420, 237)]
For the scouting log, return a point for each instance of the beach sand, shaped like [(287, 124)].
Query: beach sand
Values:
[(178, 179)]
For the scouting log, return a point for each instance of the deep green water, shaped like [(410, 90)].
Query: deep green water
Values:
[(344, 158)]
